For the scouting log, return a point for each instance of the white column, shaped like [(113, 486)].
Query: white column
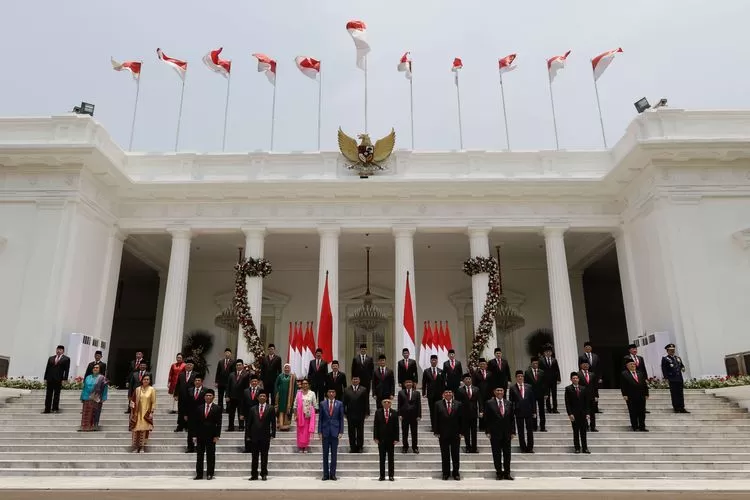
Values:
[(479, 246), (254, 243), (173, 317), (561, 302), (627, 282), (404, 238), (159, 316), (110, 281), (329, 261)]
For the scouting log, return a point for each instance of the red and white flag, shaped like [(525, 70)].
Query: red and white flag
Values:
[(431, 342), (404, 65), (458, 65), (290, 349), (409, 340), (176, 64), (325, 326), (448, 341), (308, 347), (266, 65), (134, 67), (555, 64), (602, 61), (506, 63), (358, 32), (424, 355), (308, 66), (215, 63), (298, 348)]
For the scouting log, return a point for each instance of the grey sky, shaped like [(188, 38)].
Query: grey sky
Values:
[(693, 52)]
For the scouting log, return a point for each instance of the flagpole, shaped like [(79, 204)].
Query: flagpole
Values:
[(460, 126), (554, 118), (226, 114), (273, 113), (320, 100), (179, 115), (411, 108), (505, 114), (135, 111), (599, 107), (365, 94)]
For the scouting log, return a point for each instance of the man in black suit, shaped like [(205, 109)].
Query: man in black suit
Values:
[(97, 362), (534, 376), (134, 364), (356, 409), (385, 435), (185, 384), (363, 367), (316, 374), (551, 377), (336, 380), (469, 397), (410, 413), (500, 426), (55, 373), (640, 364), (270, 369), (237, 382), (482, 380), (206, 433), (453, 372), (250, 399), (500, 372), (593, 360), (433, 385), (634, 388), (589, 380), (261, 423), (224, 369), (578, 409), (194, 401), (134, 381), (524, 408), (407, 369), (383, 382), (448, 430)]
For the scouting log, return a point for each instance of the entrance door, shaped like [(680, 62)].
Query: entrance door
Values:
[(378, 342)]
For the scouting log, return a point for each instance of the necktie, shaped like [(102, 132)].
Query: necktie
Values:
[(502, 407), (578, 392), (386, 413), (636, 360), (208, 408), (318, 365), (635, 376), (469, 393), (434, 373), (449, 409), (520, 388), (589, 357), (140, 377), (535, 377), (382, 373), (261, 410), (196, 394), (330, 407), (586, 374), (253, 394), (226, 363), (549, 361), (484, 375), (356, 387), (453, 364), (187, 376), (57, 359), (363, 360), (408, 395)]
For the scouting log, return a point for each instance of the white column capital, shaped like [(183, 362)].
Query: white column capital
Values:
[(180, 232), (555, 230), (404, 231), (743, 238), (329, 231), (118, 233), (478, 231), (254, 231)]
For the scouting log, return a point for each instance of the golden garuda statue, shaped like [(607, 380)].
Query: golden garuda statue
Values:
[(365, 157)]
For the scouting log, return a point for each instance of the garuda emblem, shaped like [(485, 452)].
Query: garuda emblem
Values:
[(365, 157)]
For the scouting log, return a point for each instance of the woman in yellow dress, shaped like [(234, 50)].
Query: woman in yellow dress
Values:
[(142, 406)]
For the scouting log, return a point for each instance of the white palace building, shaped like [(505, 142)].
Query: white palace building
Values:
[(137, 250)]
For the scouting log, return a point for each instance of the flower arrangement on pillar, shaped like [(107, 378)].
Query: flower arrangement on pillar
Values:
[(242, 270), (477, 265)]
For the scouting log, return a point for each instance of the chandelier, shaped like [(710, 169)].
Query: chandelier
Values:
[(228, 320), (508, 319), (368, 317)]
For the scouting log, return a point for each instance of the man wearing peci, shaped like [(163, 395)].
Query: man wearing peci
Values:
[(500, 426), (55, 373), (383, 382), (316, 374), (672, 368), (578, 409), (262, 429), (482, 381), (407, 368), (336, 380), (330, 429), (453, 372), (499, 372), (634, 390), (589, 380), (410, 413), (534, 376), (433, 385), (552, 377), (363, 367), (194, 402), (524, 408), (97, 362), (237, 382), (224, 369), (385, 435), (250, 399), (356, 409), (206, 433), (185, 384), (469, 397), (270, 369), (448, 430)]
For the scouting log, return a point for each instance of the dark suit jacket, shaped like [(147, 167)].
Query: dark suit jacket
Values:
[(593, 365), (632, 389), (409, 409), (551, 371), (500, 374), (337, 383), (471, 407), (193, 404), (270, 369), (248, 403), (524, 407), (410, 371), (331, 425), (497, 424), (57, 372), (237, 385), (448, 425), (640, 367), (317, 376), (671, 368), (135, 380), (260, 430), (483, 382), (383, 386), (386, 433), (206, 428), (592, 384), (185, 384), (90, 368), (356, 403), (363, 371), (134, 364), (578, 405), (433, 388), (538, 386), (222, 375), (453, 376)]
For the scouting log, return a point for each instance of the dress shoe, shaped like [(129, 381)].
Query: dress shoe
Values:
[(178, 429), (529, 451), (47, 411), (253, 478), (334, 478), (586, 450), (594, 429), (391, 479), (508, 477), (445, 477), (457, 477), (190, 450), (542, 430), (197, 478), (415, 450), (684, 411), (648, 411), (404, 450), (499, 477), (643, 429), (264, 478), (325, 478), (231, 429), (126, 411), (578, 450), (210, 477), (381, 478)]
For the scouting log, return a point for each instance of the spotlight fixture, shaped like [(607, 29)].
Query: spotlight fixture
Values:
[(84, 109), (641, 105)]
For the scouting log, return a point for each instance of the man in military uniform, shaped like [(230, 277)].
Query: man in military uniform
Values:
[(672, 368)]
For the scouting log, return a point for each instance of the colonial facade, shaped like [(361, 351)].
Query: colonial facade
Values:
[(672, 197)]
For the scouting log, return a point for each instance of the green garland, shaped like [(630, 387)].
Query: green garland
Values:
[(477, 265), (252, 268)]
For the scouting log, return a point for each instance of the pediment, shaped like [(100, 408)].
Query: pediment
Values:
[(270, 298)]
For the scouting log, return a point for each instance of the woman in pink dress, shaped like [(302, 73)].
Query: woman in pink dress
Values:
[(304, 413)]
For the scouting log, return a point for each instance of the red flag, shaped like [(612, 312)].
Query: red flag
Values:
[(134, 67), (448, 341), (290, 349), (602, 61), (409, 341), (325, 326), (555, 64), (266, 65), (215, 63), (178, 65), (308, 66)]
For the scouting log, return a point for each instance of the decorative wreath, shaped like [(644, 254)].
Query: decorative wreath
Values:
[(477, 265), (249, 268)]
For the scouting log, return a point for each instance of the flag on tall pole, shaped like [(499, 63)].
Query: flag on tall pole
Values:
[(458, 66), (325, 326), (424, 355), (404, 66), (223, 67), (409, 335), (290, 348), (180, 68), (299, 348), (134, 67), (448, 340), (555, 64), (505, 66), (311, 68), (358, 31), (309, 348), (268, 66), (431, 342), (598, 65)]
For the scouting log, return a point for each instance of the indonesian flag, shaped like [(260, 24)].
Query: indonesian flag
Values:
[(325, 326), (555, 64), (308, 347), (424, 357), (448, 341), (405, 65), (358, 31), (457, 66), (437, 341), (431, 343), (408, 328), (308, 66), (266, 65), (602, 61), (506, 63), (133, 66), (290, 349), (298, 350), (179, 66), (217, 64)]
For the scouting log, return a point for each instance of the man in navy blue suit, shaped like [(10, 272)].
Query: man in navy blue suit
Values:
[(330, 428)]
